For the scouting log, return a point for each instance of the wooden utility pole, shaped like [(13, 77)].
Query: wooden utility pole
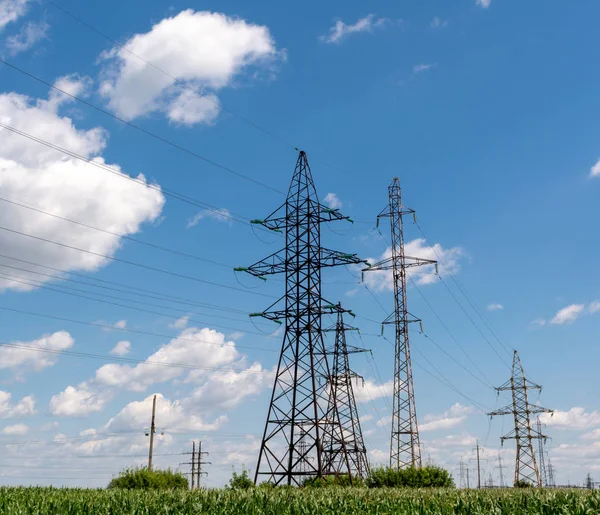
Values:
[(478, 465), (152, 431)]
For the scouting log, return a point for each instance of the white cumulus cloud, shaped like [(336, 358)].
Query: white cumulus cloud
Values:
[(568, 315), (23, 408), (12, 10), (331, 200), (77, 401), (418, 248), (575, 418), (16, 430), (37, 176), (195, 347), (37, 354), (121, 348), (453, 417), (370, 390), (202, 50), (172, 415), (341, 30)]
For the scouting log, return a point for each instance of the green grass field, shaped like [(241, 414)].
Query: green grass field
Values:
[(330, 501)]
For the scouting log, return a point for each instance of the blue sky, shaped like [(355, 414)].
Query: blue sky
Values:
[(486, 111)]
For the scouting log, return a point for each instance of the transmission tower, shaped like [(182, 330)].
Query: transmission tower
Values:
[(526, 468), (501, 468), (551, 472), (462, 474), (342, 393), (300, 392), (405, 448), (541, 453)]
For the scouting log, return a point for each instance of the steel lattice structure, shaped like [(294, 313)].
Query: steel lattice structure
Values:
[(299, 402), (526, 468), (405, 447), (541, 453), (348, 434)]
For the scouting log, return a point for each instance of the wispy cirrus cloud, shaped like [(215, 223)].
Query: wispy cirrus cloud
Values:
[(568, 314), (341, 30), (27, 38), (421, 68)]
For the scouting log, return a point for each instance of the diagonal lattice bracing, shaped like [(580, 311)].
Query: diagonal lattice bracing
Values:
[(348, 439), (296, 426)]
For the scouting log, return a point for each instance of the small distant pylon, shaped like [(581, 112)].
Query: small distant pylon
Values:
[(551, 472), (405, 446), (341, 393), (541, 453), (501, 468), (526, 468)]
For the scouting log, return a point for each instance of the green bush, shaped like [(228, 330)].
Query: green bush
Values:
[(144, 479), (240, 481), (520, 483), (424, 477)]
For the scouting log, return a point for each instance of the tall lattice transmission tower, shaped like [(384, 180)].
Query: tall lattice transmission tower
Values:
[(300, 393), (526, 468), (405, 447), (342, 392)]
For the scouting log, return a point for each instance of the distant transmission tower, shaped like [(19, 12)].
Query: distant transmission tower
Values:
[(551, 472), (300, 393), (342, 393), (541, 453), (501, 468), (405, 448), (526, 468), (462, 474)]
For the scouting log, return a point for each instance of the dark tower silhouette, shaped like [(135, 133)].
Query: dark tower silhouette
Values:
[(300, 393)]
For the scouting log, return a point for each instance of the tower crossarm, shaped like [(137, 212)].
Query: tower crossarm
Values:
[(331, 258), (278, 220), (507, 410), (410, 262), (273, 264)]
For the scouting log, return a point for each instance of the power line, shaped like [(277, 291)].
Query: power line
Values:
[(159, 295), (128, 360), (133, 263), (142, 130), (119, 235), (507, 350), (119, 173), (42, 285), (487, 383), (141, 310), (432, 246), (442, 379), (123, 329)]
